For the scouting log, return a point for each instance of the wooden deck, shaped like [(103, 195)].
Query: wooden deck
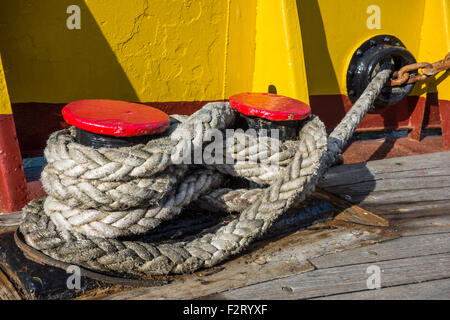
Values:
[(329, 260), (412, 193)]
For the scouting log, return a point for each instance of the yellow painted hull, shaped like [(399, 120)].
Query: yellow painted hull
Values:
[(188, 50)]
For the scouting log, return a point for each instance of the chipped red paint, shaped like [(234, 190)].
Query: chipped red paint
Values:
[(269, 106), (115, 118), (13, 188)]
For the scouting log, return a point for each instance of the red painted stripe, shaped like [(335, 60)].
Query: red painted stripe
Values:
[(36, 121), (13, 188)]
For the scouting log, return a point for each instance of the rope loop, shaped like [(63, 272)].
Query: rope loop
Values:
[(96, 197)]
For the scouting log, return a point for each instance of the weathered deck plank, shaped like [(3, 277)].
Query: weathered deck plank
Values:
[(405, 247), (347, 279), (414, 210), (7, 290), (430, 290)]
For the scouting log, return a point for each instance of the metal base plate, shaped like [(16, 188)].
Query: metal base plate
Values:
[(37, 276)]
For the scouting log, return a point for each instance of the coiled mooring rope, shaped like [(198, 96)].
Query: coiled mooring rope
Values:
[(98, 195)]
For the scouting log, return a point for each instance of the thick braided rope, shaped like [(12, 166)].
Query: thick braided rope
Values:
[(293, 184), (298, 180), (255, 158), (69, 160)]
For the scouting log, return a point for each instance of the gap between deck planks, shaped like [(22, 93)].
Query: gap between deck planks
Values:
[(405, 247), (421, 215), (7, 289)]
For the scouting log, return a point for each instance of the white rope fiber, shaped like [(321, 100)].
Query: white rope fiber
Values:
[(96, 196)]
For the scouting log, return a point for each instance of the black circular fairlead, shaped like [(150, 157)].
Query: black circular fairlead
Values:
[(374, 55)]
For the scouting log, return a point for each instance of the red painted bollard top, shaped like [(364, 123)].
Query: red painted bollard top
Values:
[(269, 106), (115, 118)]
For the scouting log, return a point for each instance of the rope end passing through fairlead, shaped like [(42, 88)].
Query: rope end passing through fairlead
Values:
[(99, 195)]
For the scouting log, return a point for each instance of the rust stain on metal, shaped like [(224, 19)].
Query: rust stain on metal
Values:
[(403, 75)]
